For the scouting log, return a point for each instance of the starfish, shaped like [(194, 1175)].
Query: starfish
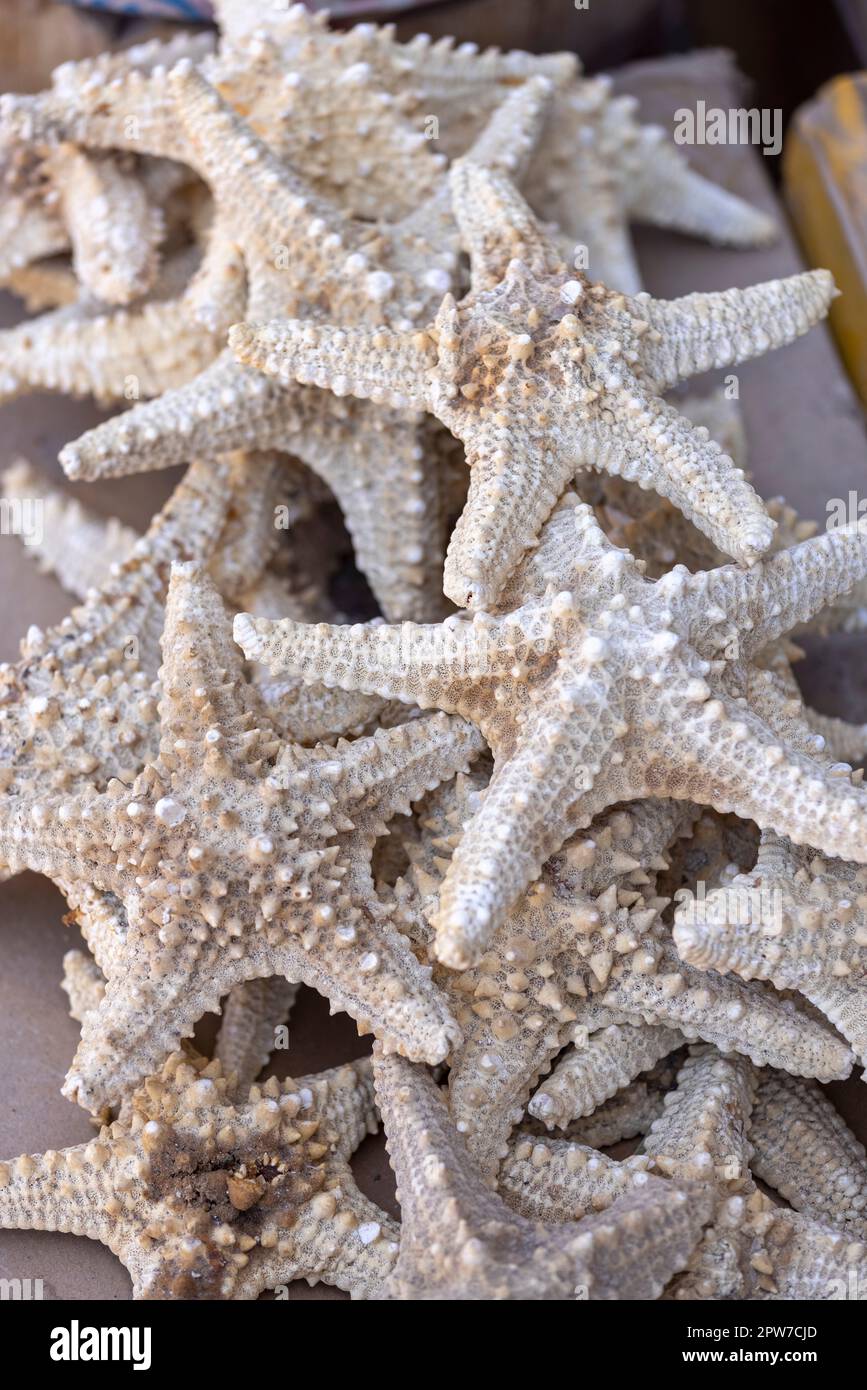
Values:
[(204, 1190), (459, 1241), (541, 375), (753, 1249), (595, 686), (585, 958), (233, 857), (291, 240), (628, 1113), (597, 166)]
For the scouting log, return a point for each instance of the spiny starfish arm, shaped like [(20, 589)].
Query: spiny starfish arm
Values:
[(786, 589), (554, 1180), (311, 714), (497, 226), (270, 202), (459, 1240), (669, 193), (209, 713), (511, 135), (71, 1190), (804, 1150), (732, 1015), (240, 408), (727, 757), (216, 295), (419, 663), (344, 1099), (586, 1076), (807, 1261), (625, 1115), (81, 349), (251, 1014), (654, 445), (386, 771), (845, 742), (83, 984), (259, 482), (113, 229), (705, 330), (381, 364), (844, 1003), (76, 545), (517, 829), (702, 1133)]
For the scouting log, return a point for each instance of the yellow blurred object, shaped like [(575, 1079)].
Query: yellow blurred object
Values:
[(825, 175)]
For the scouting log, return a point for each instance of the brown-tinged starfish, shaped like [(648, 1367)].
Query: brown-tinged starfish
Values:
[(594, 686), (458, 1239), (205, 1191), (753, 1249), (303, 255), (585, 958), (233, 857), (597, 166), (541, 374)]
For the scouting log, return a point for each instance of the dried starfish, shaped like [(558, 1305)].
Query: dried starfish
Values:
[(291, 237), (595, 687), (753, 1249), (458, 1240), (205, 1192), (541, 375), (597, 165), (234, 858), (584, 953)]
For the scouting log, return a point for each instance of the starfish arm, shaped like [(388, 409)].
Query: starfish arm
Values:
[(419, 663), (724, 755), (586, 1076), (571, 544), (668, 193), (381, 364), (654, 445), (512, 134), (311, 714), (113, 229), (270, 203), (845, 742), (391, 768), (343, 1097), (807, 1261), (702, 331), (536, 799), (71, 1190), (251, 1014), (459, 1240), (29, 231), (83, 984), (76, 544), (731, 1015), (259, 482), (784, 590), (626, 1115), (241, 409), (805, 1151), (496, 225), (43, 285), (702, 1133), (554, 1180), (844, 1004)]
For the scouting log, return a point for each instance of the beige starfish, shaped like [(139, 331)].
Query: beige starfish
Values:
[(232, 857), (593, 687), (540, 375), (459, 1241), (203, 1191), (753, 1249), (585, 958)]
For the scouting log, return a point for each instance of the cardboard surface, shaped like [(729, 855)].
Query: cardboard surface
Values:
[(806, 439)]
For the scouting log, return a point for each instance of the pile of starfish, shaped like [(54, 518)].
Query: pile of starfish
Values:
[(505, 823)]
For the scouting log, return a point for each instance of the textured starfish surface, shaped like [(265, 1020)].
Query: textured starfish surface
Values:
[(303, 255), (207, 1190), (754, 1249), (597, 166), (596, 686), (460, 1241), (233, 857), (585, 959), (540, 375)]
